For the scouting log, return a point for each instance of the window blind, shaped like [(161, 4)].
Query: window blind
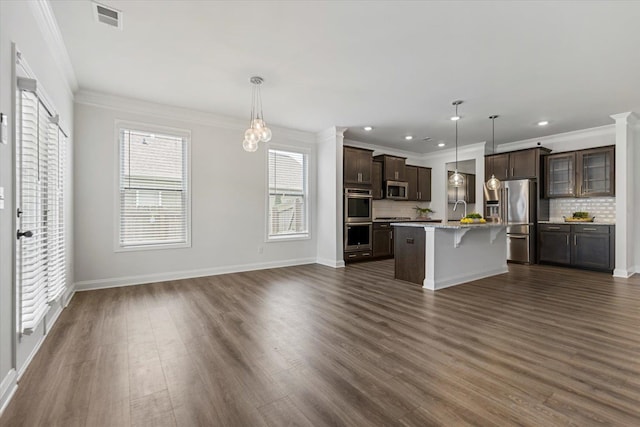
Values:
[(287, 193), (153, 189), (56, 248)]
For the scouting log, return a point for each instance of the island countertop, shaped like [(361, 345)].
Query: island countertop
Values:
[(451, 225)]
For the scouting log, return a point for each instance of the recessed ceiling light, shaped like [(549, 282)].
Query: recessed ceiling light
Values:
[(454, 118), (368, 128), (408, 137), (441, 144), (543, 123)]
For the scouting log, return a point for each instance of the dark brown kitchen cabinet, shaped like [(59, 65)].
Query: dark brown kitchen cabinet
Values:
[(382, 240), (589, 246), (561, 175), (393, 167), (419, 183), (583, 173), (498, 165), (595, 172), (357, 166), (470, 183), (376, 181), (554, 244), (467, 192), (515, 164), (593, 246)]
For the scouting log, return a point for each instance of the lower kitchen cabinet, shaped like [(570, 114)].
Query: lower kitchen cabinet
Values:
[(357, 256), (585, 245), (554, 244), (382, 240)]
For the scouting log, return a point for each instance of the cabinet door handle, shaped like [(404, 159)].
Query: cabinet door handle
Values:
[(567, 239), (512, 173), (575, 240), (506, 173), (553, 228), (397, 173), (381, 194), (590, 229), (359, 176)]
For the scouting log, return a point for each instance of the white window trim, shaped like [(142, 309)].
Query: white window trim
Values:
[(291, 237), (151, 128)]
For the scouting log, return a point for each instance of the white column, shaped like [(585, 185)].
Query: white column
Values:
[(329, 197), (626, 210)]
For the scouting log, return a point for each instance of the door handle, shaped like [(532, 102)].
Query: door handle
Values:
[(27, 233), (517, 237)]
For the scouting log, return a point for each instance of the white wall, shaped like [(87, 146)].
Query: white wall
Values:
[(24, 24), (329, 197), (228, 198)]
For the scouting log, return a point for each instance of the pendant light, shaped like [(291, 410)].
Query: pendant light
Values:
[(493, 183), (258, 130), (456, 179)]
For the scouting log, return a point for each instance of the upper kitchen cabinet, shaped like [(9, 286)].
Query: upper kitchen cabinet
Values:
[(393, 167), (498, 165), (376, 181), (584, 173), (515, 165), (419, 180), (357, 166), (561, 173), (596, 172)]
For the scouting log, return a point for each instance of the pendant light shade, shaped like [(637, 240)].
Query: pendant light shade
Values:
[(493, 183), (258, 130), (456, 179)]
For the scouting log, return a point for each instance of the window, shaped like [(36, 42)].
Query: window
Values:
[(288, 195), (153, 199), (40, 176)]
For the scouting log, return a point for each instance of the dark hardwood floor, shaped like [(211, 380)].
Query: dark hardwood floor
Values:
[(310, 345)]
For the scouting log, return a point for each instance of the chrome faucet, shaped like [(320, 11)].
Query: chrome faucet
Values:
[(465, 206)]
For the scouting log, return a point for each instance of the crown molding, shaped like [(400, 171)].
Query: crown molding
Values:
[(558, 137), (46, 21), (169, 112), (629, 116), (330, 134), (383, 149)]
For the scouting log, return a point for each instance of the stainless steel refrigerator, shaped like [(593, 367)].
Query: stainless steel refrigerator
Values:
[(515, 205)]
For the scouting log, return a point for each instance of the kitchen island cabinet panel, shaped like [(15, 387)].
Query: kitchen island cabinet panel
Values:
[(409, 254)]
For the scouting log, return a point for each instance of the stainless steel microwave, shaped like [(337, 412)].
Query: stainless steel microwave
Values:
[(396, 190)]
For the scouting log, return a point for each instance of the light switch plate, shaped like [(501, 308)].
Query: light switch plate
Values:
[(4, 128)]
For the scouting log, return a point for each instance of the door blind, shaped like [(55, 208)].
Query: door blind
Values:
[(287, 193), (153, 189), (56, 248)]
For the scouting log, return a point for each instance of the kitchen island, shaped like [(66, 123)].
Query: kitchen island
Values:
[(437, 256)]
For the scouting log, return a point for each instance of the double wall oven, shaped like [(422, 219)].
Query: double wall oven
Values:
[(358, 205)]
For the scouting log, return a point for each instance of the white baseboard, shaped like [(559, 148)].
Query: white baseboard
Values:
[(330, 262), (625, 274), (8, 388), (458, 280), (87, 285), (22, 369)]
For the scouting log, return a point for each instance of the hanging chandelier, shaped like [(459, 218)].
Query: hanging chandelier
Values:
[(493, 183), (258, 130), (456, 179)]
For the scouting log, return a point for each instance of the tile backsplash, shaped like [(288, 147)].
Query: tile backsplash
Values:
[(603, 208), (396, 208)]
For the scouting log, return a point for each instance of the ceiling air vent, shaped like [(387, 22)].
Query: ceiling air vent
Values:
[(107, 15)]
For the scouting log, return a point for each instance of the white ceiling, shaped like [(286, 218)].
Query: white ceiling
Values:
[(396, 66)]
